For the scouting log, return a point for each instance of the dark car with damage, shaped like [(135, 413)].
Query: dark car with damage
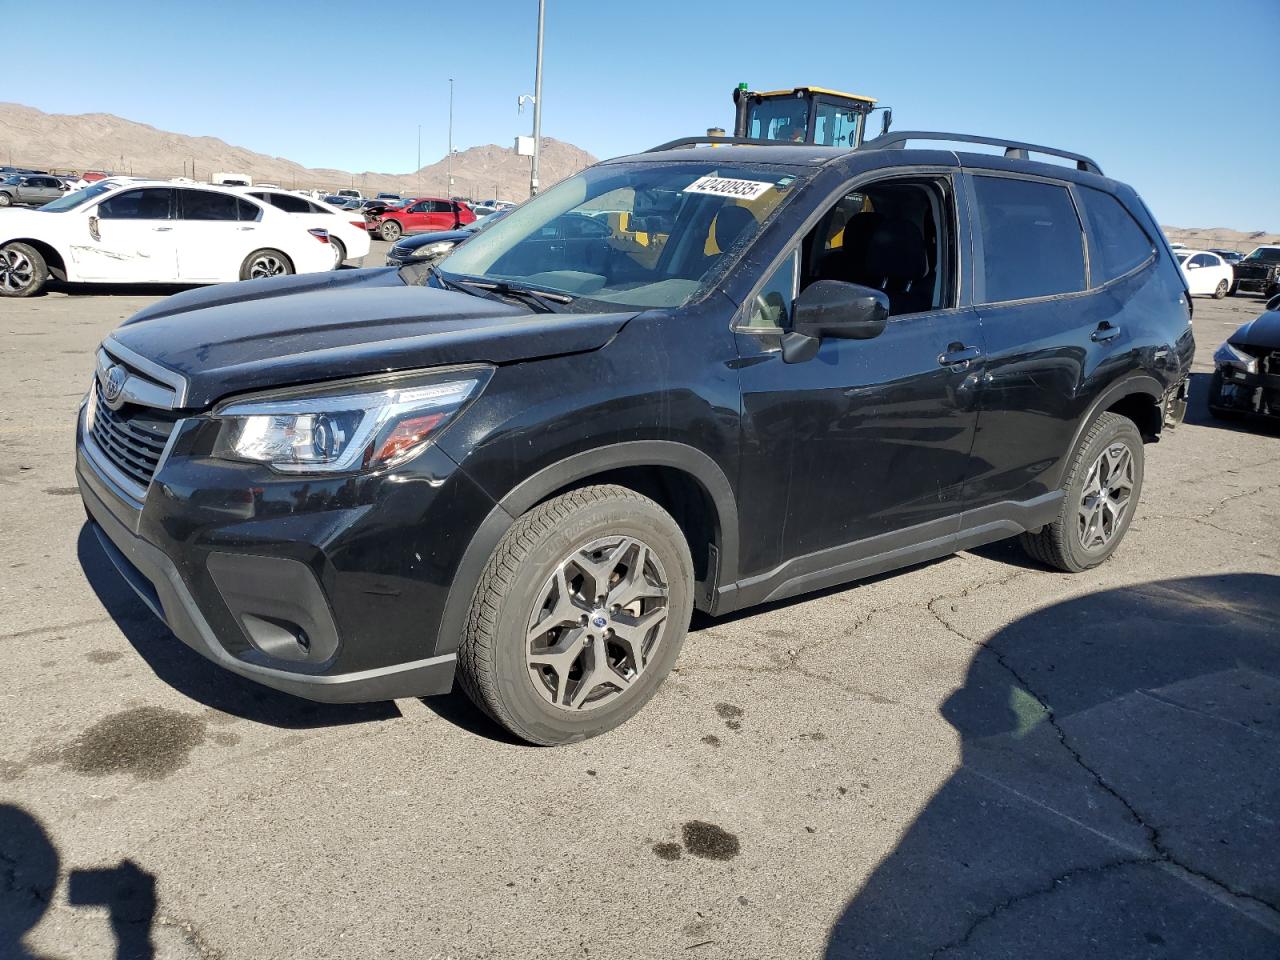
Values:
[(1258, 273), (769, 369), (1246, 368)]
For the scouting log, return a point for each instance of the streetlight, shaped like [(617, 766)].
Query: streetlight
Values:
[(449, 165), (537, 104)]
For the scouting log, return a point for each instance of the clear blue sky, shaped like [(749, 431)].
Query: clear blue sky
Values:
[(1177, 97)]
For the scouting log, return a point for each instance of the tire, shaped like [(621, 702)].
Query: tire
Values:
[(390, 230), (23, 271), (5, 199), (265, 263), (522, 583), (1062, 543), (1235, 288), (339, 252), (1221, 290), (1215, 395)]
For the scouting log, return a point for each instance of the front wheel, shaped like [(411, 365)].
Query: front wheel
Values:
[(5, 200), (578, 616), (23, 272), (1221, 290), (390, 231), (1100, 495), (265, 263)]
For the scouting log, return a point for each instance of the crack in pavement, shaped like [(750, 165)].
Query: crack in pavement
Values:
[(1161, 854), (1235, 496), (191, 936), (1048, 888)]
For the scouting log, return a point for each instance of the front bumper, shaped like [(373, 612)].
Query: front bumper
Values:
[(1247, 392), (1259, 285), (333, 595)]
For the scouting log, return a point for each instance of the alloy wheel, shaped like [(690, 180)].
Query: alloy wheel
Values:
[(1108, 488), (597, 623), (267, 265), (16, 270)]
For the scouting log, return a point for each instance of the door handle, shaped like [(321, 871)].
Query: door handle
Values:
[(246, 228), (162, 229), (1106, 331), (958, 356)]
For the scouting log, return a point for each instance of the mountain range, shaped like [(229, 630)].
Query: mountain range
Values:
[(78, 142)]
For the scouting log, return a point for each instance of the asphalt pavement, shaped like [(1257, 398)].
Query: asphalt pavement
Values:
[(972, 758)]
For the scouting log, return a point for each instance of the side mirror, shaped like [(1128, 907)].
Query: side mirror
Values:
[(1193, 266), (832, 308), (886, 119), (1274, 303)]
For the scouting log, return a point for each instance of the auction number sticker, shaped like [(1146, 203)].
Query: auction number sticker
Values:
[(725, 187)]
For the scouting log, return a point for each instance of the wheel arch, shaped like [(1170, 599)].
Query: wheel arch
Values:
[(53, 257), (1137, 397), (683, 480)]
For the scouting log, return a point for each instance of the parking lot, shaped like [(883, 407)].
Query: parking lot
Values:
[(975, 757)]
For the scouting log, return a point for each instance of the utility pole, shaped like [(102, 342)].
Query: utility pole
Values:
[(537, 104), (449, 159), (419, 167)]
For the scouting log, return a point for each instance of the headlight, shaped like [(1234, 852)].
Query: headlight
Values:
[(367, 425), (1228, 356), (431, 250)]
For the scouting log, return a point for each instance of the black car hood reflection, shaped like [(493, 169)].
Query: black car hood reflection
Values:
[(253, 335), (1263, 331)]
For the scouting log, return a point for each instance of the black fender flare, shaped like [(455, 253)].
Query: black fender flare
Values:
[(1142, 383), (534, 489)]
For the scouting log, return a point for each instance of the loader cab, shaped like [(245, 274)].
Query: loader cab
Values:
[(813, 115)]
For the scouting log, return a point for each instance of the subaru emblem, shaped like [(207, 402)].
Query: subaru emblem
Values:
[(114, 384), (599, 622)]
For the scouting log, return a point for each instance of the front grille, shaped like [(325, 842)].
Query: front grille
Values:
[(1252, 272), (133, 438)]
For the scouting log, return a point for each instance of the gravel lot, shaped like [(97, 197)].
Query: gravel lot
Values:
[(976, 757)]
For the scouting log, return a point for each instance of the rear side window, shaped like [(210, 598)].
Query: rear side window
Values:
[(153, 203), (285, 201), (1117, 243), (206, 205), (1031, 239)]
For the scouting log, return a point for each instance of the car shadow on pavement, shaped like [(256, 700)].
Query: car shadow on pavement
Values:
[(117, 289), (1118, 791), (191, 674), (1198, 412), (29, 873)]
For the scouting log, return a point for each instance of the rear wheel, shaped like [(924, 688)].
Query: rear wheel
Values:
[(5, 199), (1100, 495), (390, 231), (339, 252), (579, 615), (23, 271), (265, 263), (1221, 290)]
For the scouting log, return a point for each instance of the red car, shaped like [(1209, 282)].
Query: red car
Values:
[(423, 215)]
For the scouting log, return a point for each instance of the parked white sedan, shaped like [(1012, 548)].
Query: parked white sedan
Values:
[(154, 232), (1207, 273), (348, 234)]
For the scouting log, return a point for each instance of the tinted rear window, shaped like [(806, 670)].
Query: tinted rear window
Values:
[(1117, 243), (206, 205), (1031, 239)]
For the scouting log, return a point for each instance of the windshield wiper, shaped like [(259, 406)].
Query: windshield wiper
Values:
[(544, 300)]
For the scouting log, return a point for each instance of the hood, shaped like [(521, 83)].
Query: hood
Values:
[(1263, 331), (261, 334), (425, 239)]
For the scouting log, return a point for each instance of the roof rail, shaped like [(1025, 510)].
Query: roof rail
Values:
[(1014, 149), (748, 141)]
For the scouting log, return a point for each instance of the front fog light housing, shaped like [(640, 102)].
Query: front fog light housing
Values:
[(362, 425), (1228, 356)]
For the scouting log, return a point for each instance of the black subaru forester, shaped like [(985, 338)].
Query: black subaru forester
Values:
[(697, 377)]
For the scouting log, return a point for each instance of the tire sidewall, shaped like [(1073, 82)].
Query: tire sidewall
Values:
[(5, 200), (248, 263), (538, 720), (339, 248), (390, 231), (39, 270), (1121, 429)]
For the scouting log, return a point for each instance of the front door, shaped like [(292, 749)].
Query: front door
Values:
[(864, 449), (129, 238)]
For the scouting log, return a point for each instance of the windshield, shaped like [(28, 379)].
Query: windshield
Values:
[(1266, 255), (779, 118), (633, 234), (77, 198)]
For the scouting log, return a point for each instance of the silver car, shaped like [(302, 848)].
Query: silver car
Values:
[(31, 189)]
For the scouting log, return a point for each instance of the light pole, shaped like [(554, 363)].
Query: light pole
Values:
[(537, 104), (419, 167), (449, 165)]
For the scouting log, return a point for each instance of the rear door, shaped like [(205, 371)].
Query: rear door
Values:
[(1049, 341), (216, 232), (129, 237)]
